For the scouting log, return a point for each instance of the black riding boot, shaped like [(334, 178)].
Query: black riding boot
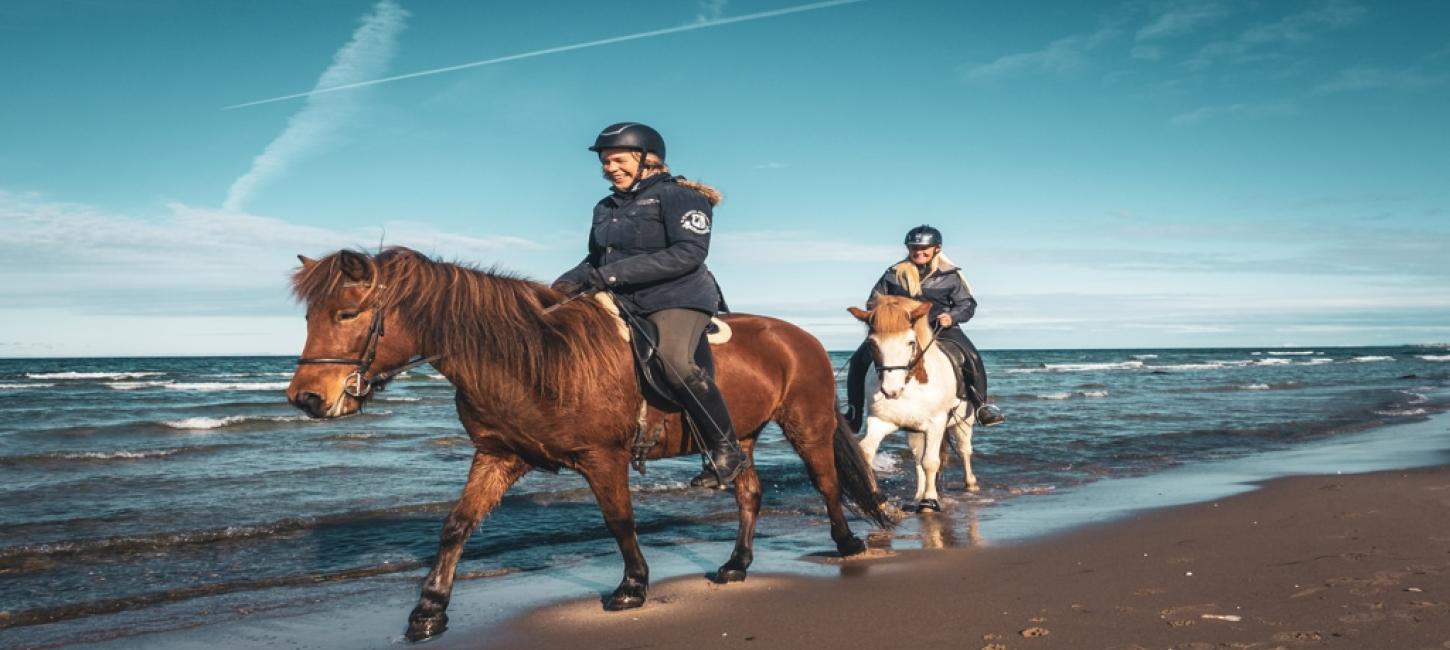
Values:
[(974, 380), (723, 458), (856, 386)]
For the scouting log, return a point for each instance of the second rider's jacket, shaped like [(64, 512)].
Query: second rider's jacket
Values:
[(650, 246), (945, 290)]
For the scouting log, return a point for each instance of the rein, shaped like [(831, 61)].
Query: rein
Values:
[(358, 384)]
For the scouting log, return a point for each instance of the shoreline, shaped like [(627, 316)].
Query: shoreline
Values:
[(1362, 560), (486, 611)]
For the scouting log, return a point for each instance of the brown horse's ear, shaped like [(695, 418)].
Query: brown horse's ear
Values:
[(860, 314), (306, 261), (355, 267), (921, 311)]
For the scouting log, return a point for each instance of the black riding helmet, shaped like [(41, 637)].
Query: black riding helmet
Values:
[(923, 235), (630, 135)]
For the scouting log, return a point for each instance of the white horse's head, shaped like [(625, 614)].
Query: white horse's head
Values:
[(899, 331)]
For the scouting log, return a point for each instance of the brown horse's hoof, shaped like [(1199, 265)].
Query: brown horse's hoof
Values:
[(852, 546), (422, 627), (725, 575), (629, 595), (928, 505)]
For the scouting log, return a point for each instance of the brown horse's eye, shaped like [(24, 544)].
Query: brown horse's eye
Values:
[(346, 315)]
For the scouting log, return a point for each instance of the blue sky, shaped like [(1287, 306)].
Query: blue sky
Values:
[(1110, 174)]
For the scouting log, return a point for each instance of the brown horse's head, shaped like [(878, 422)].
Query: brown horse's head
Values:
[(899, 331), (352, 335)]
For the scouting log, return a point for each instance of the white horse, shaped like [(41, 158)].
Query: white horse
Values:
[(917, 392)]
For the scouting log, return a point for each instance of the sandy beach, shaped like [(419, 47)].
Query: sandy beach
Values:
[(1348, 561)]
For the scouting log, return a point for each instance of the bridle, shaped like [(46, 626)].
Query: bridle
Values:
[(359, 384), (915, 358)]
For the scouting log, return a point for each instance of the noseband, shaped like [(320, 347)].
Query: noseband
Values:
[(915, 358), (358, 384)]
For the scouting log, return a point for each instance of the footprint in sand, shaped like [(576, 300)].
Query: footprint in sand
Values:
[(1300, 635), (1032, 632)]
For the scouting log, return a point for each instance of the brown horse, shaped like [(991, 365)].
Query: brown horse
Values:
[(556, 390)]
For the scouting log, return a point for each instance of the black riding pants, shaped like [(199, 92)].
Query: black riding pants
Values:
[(679, 332)]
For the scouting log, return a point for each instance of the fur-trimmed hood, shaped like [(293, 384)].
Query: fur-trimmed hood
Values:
[(711, 194)]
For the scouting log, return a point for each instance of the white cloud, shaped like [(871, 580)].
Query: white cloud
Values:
[(711, 10), (1364, 77), (1182, 19), (1062, 55), (1205, 113), (1267, 40), (323, 116)]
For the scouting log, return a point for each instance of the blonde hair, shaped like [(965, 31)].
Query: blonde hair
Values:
[(908, 276), (653, 165)]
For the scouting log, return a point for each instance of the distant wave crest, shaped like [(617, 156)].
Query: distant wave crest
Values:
[(92, 375)]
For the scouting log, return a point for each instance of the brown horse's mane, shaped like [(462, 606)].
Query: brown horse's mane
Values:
[(485, 322)]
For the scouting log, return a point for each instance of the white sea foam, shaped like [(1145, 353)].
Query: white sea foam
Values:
[(885, 464), (115, 455), (1253, 387), (1142, 357), (1318, 361), (1088, 367), (1206, 365), (1055, 396), (1415, 411), (214, 386), (203, 423), (23, 386), (398, 399), (1435, 357), (1290, 353), (1371, 359), (91, 375), (1274, 362), (1093, 393), (134, 385)]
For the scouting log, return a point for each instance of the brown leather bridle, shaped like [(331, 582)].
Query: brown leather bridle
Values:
[(359, 384)]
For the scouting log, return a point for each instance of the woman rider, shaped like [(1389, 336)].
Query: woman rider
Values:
[(647, 246), (929, 276)]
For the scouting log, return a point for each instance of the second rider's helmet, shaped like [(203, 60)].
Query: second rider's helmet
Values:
[(923, 235), (630, 135)]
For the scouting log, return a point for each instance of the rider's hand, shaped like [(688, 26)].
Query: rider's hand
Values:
[(596, 280), (944, 319)]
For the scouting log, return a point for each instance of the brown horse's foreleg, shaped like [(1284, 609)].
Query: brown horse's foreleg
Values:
[(488, 478), (608, 476), (747, 496)]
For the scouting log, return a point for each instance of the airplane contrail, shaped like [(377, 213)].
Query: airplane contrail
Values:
[(555, 50)]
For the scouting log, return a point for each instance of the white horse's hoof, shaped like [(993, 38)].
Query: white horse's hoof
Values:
[(928, 505)]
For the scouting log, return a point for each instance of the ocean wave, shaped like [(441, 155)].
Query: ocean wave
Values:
[(1091, 394), (1273, 362), (1205, 365), (1253, 387), (1435, 357), (24, 386), (1316, 361), (1371, 359), (1290, 353), (92, 375), (203, 423), (87, 456), (1143, 357), (136, 385), (1403, 412), (1089, 367), (396, 399)]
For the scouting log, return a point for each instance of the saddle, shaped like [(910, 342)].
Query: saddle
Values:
[(958, 356)]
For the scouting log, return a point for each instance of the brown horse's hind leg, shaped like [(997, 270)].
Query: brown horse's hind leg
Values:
[(747, 496), (488, 478), (811, 435), (608, 476)]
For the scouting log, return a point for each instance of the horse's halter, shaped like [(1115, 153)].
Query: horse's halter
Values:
[(358, 384)]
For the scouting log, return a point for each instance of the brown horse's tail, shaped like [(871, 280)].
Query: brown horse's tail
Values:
[(858, 482)]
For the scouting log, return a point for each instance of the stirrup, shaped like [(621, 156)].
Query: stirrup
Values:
[(708, 479), (988, 415)]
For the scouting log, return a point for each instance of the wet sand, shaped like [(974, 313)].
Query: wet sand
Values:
[(1338, 561)]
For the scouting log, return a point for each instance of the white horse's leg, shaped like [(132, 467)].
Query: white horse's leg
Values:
[(961, 432), (917, 441), (876, 430), (929, 461)]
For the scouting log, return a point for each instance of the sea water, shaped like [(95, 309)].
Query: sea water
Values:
[(149, 494)]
